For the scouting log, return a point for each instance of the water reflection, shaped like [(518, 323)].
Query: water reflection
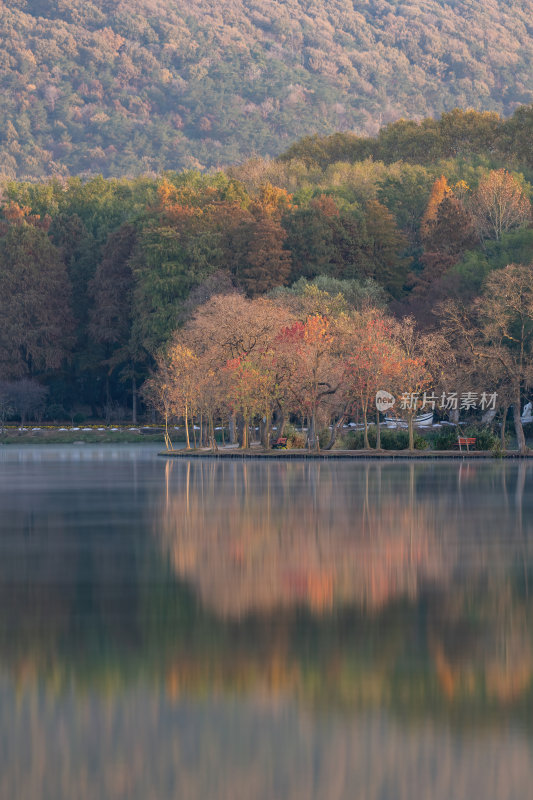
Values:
[(217, 630), (254, 537)]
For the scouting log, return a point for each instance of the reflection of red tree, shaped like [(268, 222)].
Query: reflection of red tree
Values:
[(251, 550)]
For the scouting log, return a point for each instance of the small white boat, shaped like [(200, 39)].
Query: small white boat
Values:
[(422, 420)]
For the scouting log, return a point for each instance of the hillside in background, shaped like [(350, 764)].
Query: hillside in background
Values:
[(144, 85)]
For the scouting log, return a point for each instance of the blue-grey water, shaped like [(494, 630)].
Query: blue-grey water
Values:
[(210, 630)]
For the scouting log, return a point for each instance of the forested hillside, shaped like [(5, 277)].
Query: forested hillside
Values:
[(144, 85)]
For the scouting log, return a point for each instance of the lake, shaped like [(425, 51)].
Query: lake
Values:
[(213, 629)]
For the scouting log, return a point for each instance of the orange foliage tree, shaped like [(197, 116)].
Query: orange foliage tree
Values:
[(371, 362), (317, 371)]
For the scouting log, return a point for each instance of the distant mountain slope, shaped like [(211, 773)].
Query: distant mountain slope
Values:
[(139, 85)]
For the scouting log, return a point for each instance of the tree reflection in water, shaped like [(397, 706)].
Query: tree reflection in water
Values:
[(452, 542), (213, 629)]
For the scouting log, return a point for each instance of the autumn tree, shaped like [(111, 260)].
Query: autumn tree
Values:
[(439, 191), (499, 332), (447, 235), (249, 391), (317, 371), (234, 330), (371, 362), (158, 392), (262, 262), (182, 364), (419, 355), (499, 205)]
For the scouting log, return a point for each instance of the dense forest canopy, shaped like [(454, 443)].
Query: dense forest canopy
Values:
[(97, 275), (143, 85)]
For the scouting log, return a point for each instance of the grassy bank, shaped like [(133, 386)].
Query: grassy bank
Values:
[(93, 436)]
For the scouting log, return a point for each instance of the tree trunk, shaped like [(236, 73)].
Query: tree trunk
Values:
[(194, 432), (312, 438), (232, 429), (107, 400), (187, 427), (411, 433), (245, 434), (213, 441), (134, 399), (201, 429), (335, 428), (365, 435), (240, 424), (520, 438), (168, 443), (504, 421), (378, 431), (267, 430)]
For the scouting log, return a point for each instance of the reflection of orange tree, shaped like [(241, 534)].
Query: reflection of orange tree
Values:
[(246, 550), (490, 655)]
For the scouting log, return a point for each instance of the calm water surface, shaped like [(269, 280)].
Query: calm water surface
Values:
[(264, 631)]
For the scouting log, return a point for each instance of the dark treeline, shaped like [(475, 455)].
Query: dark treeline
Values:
[(96, 276)]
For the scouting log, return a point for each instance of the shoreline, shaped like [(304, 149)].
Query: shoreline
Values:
[(362, 455)]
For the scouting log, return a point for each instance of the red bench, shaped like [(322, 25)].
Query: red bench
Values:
[(280, 443), (466, 441)]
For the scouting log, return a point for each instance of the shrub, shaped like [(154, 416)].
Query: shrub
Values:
[(324, 436), (289, 429), (497, 449), (486, 439), (390, 440), (295, 441), (445, 439), (78, 418)]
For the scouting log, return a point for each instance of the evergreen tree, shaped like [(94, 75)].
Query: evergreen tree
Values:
[(386, 246), (35, 315), (263, 262)]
